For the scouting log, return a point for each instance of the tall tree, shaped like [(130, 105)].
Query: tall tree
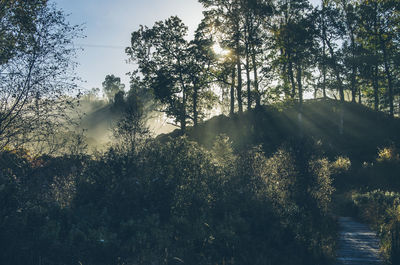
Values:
[(349, 15), (227, 17), (294, 37), (257, 19), (224, 64), (368, 40), (200, 63), (377, 35), (387, 14), (172, 68), (323, 29), (36, 71), (331, 31)]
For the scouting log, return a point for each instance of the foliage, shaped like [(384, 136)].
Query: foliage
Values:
[(254, 188), (130, 130), (381, 209), (173, 201), (33, 193), (36, 74), (381, 173), (173, 68), (17, 16), (388, 155), (112, 86)]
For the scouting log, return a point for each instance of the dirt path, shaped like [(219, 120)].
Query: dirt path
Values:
[(358, 245)]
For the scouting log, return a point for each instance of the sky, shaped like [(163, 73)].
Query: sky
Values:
[(108, 25)]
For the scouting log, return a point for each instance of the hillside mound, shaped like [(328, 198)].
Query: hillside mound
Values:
[(364, 131)]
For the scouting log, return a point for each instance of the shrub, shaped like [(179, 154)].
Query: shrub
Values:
[(169, 202), (381, 209)]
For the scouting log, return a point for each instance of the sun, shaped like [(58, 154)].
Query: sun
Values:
[(218, 50)]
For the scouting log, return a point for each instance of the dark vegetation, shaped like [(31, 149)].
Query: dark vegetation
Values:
[(375, 200), (171, 200), (168, 203), (261, 186), (381, 210)]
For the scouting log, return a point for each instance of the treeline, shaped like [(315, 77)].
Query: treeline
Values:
[(246, 53), (170, 202)]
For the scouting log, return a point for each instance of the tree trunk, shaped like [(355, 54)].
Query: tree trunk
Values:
[(248, 77), (375, 81), (232, 108), (195, 111), (239, 77), (315, 92), (353, 50), (300, 112), (388, 75), (337, 73), (299, 74), (376, 88), (291, 76), (285, 73), (183, 113), (256, 88), (353, 84), (239, 86), (323, 4), (324, 70)]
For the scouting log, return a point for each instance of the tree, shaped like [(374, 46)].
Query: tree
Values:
[(386, 16), (172, 68), (376, 35), (223, 63), (257, 14), (131, 130), (92, 94), (294, 38), (370, 60), (227, 17), (350, 18), (17, 16), (111, 86), (36, 71)]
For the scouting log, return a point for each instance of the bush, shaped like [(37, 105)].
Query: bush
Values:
[(381, 173), (171, 203), (381, 209)]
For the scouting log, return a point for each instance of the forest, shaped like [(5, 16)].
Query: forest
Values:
[(285, 117)]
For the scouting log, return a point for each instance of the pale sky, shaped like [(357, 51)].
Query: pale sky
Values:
[(108, 27)]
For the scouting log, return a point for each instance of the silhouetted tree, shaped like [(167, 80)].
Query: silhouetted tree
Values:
[(111, 86), (36, 71), (228, 19), (173, 68)]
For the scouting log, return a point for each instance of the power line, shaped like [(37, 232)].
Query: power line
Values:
[(101, 46)]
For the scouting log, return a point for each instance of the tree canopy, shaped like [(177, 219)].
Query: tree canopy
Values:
[(36, 71)]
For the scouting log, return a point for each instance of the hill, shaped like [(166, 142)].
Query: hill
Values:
[(366, 147), (364, 130)]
